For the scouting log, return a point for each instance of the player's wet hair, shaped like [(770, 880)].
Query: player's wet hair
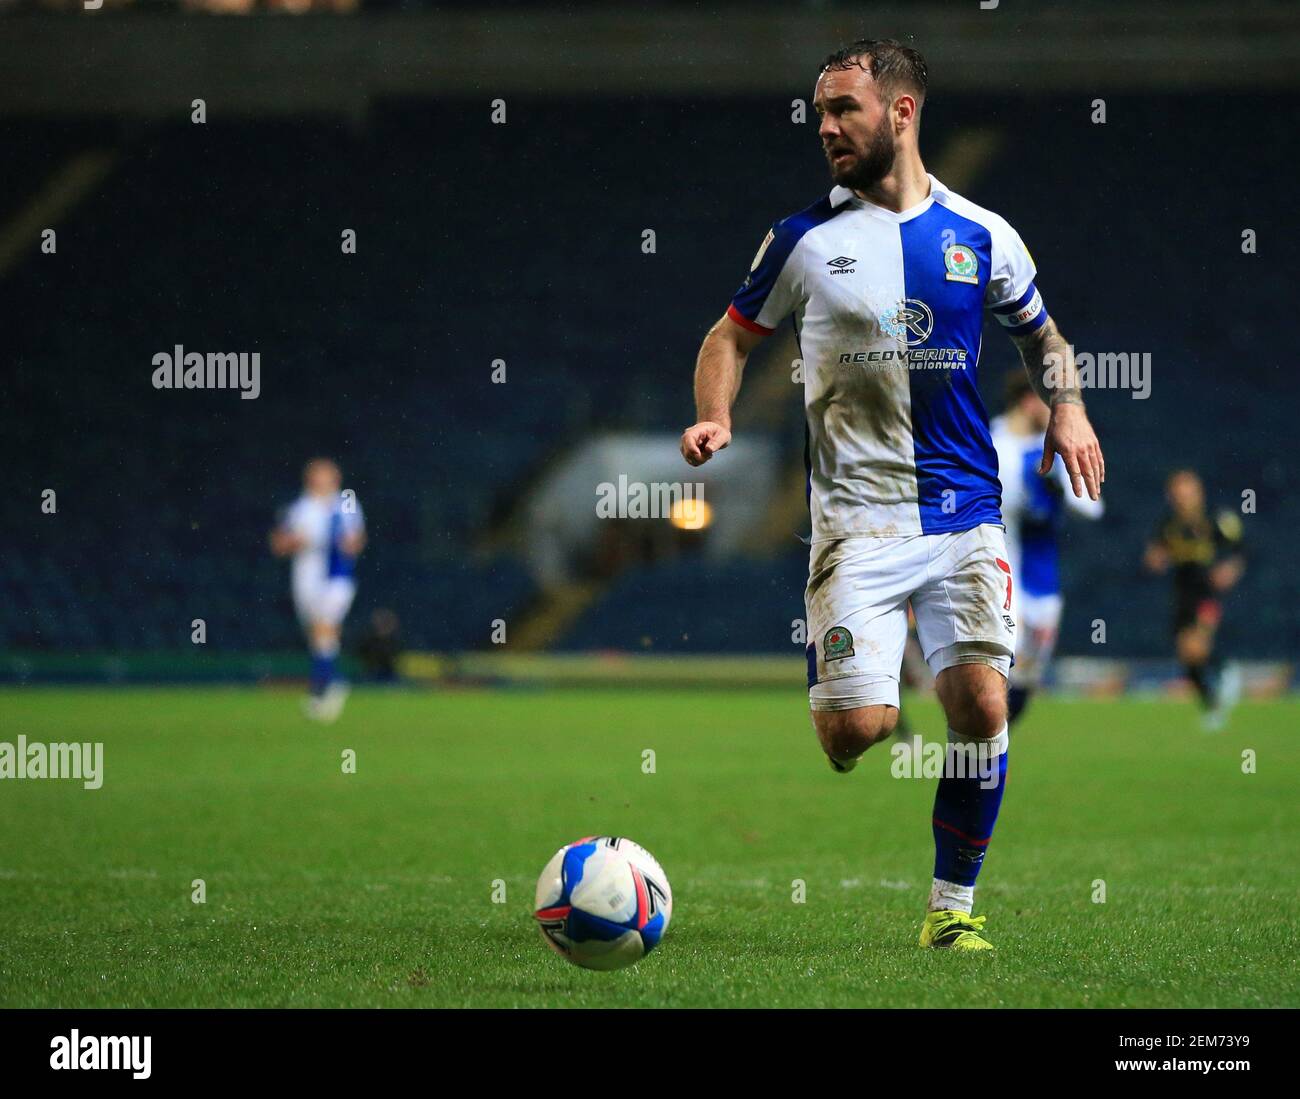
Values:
[(894, 67)]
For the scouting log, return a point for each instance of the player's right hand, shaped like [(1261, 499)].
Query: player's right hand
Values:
[(702, 441), (1070, 435)]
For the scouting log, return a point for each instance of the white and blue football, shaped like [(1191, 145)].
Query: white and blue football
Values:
[(603, 902)]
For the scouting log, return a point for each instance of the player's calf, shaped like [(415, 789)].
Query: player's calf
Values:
[(969, 794), (324, 643)]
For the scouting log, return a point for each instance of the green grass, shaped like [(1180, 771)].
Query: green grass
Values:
[(375, 888)]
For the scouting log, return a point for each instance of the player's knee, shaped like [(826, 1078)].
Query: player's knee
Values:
[(980, 710), (986, 713), (973, 688), (846, 734), (324, 638)]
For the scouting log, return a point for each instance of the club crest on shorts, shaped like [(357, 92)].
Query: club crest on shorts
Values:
[(961, 264), (837, 644)]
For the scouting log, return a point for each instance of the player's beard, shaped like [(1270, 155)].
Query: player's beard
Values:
[(871, 165)]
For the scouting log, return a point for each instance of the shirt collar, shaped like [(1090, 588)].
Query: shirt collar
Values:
[(841, 195)]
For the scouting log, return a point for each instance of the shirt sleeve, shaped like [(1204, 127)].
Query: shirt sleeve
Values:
[(1011, 293), (773, 288)]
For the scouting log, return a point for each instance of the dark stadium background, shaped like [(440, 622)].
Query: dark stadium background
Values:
[(522, 242)]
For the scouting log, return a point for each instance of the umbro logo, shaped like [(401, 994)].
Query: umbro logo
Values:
[(842, 264)]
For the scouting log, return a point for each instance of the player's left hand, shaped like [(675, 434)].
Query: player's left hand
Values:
[(1070, 435)]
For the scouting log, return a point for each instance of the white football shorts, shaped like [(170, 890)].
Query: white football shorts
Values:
[(327, 600), (959, 586)]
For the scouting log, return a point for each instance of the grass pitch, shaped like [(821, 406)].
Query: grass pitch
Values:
[(376, 888)]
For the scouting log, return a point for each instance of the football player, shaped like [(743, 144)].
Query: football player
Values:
[(323, 532)]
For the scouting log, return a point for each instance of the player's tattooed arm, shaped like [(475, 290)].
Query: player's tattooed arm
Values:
[(1049, 361), (718, 372)]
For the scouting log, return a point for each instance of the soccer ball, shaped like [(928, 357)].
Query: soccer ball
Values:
[(603, 902)]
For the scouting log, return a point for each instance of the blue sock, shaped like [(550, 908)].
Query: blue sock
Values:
[(322, 672), (965, 810)]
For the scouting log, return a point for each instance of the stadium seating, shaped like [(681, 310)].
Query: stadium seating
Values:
[(524, 243)]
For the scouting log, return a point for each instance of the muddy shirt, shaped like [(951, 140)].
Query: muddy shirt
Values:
[(889, 308)]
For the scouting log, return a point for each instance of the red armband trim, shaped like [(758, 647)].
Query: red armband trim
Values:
[(745, 323)]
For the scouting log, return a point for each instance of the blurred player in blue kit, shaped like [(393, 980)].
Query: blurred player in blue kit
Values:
[(1033, 509), (323, 532)]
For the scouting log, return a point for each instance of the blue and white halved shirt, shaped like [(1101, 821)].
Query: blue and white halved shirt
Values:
[(323, 522), (1034, 507), (888, 308)]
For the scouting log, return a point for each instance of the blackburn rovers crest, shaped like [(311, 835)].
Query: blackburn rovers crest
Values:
[(961, 264), (837, 644)]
